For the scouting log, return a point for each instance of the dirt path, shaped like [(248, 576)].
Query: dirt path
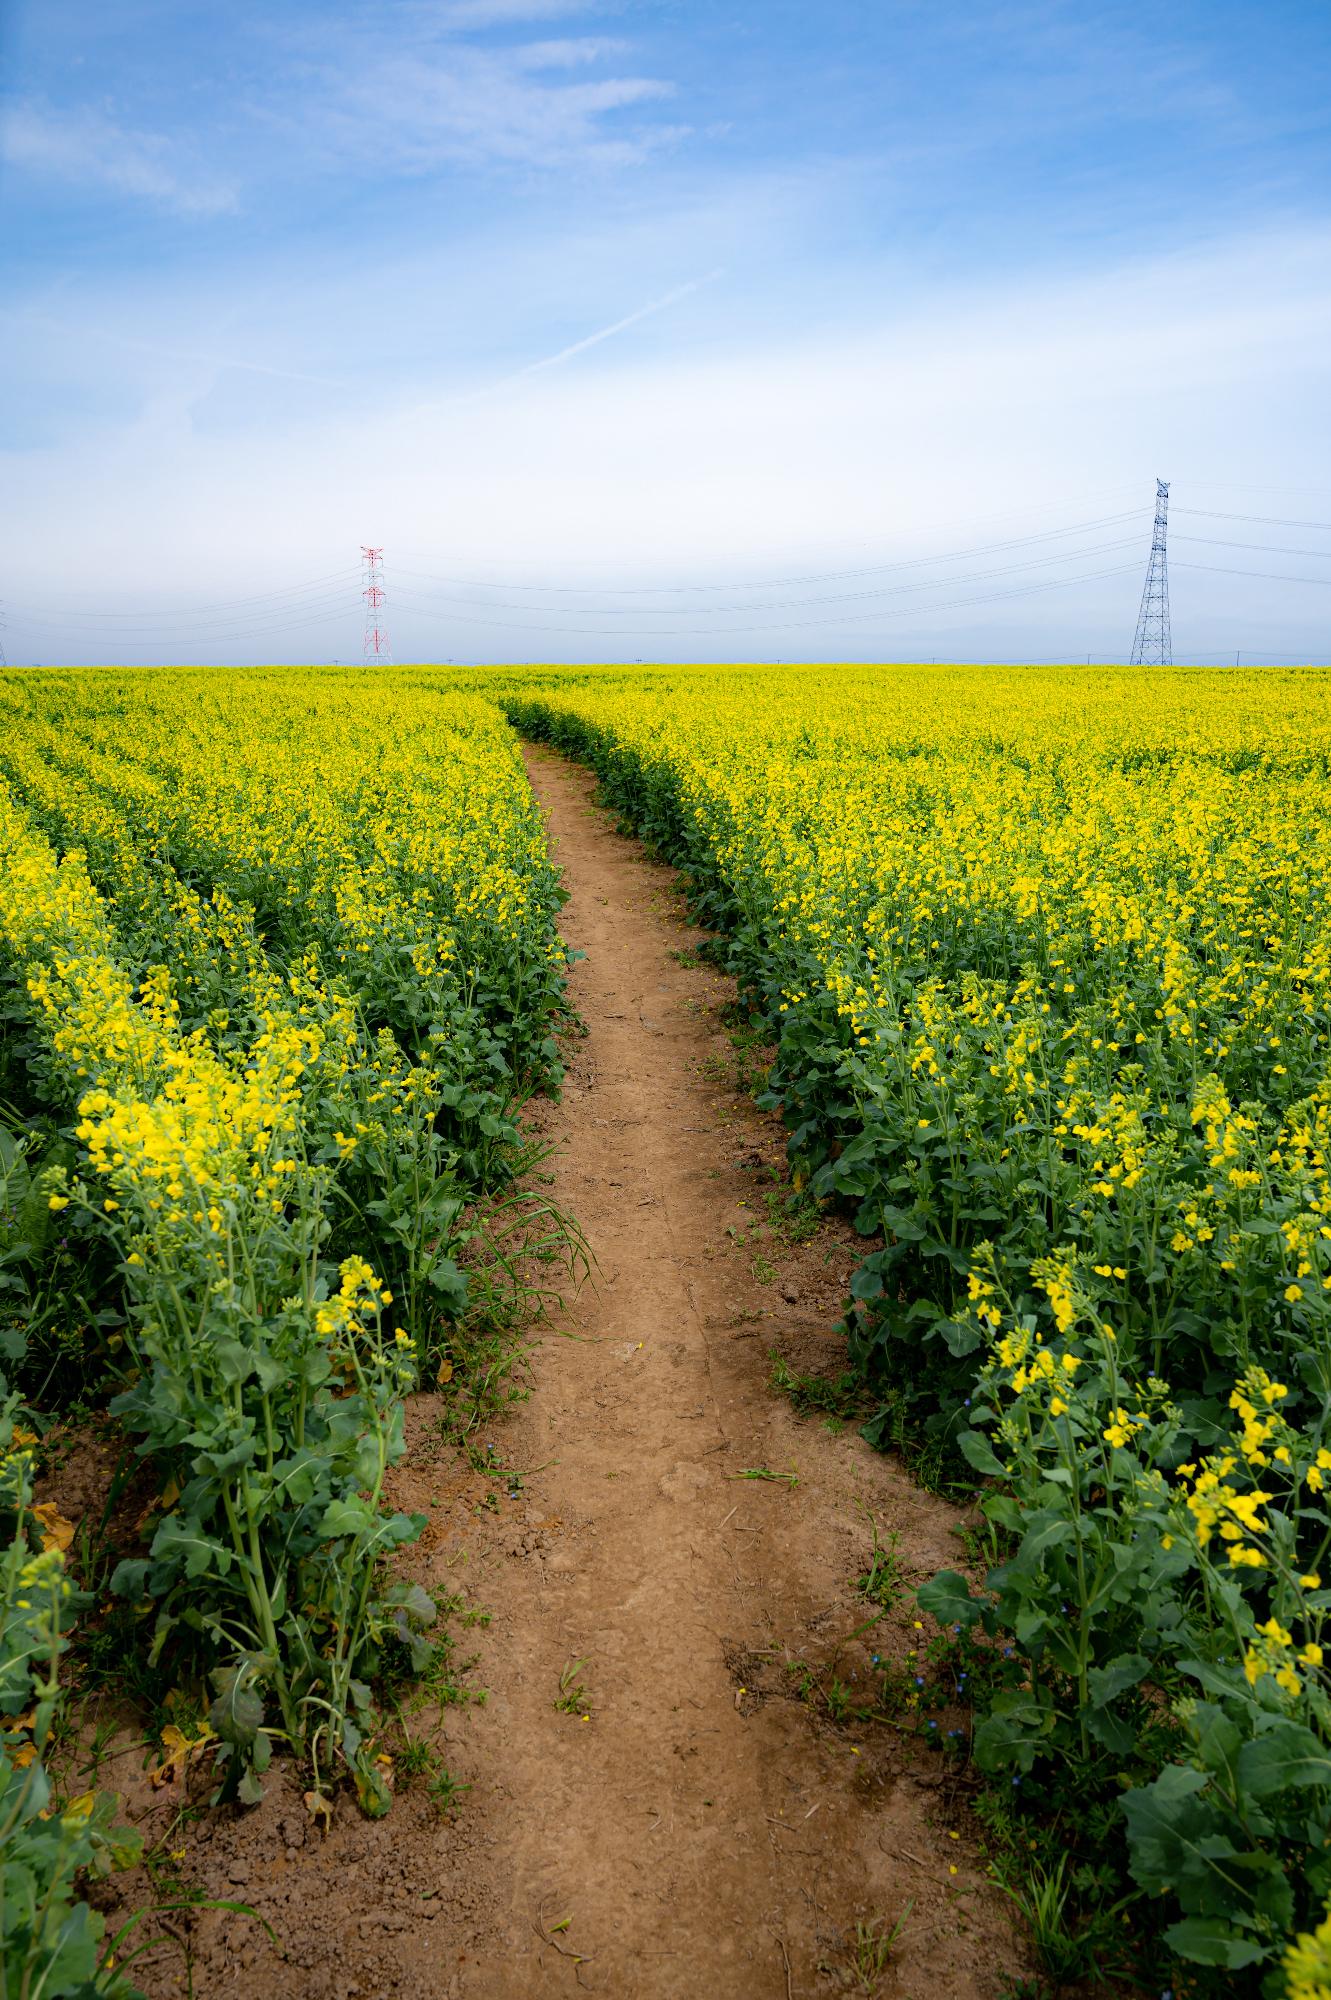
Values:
[(696, 1824)]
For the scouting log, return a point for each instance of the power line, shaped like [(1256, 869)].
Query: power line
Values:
[(771, 582), (776, 625), (217, 633), (1255, 486), (1272, 575), (1265, 520), (318, 600), (288, 591), (216, 628), (1263, 548), (793, 603)]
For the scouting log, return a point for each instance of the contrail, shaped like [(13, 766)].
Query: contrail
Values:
[(469, 397), (609, 332)]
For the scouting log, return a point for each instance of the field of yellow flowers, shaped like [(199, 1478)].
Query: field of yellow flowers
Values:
[(279, 962), (1046, 962), (1047, 957)]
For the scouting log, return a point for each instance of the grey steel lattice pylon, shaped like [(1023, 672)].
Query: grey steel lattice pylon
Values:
[(1154, 645)]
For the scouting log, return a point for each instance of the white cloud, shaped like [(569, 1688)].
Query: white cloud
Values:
[(462, 103), (440, 89), (763, 456), (88, 147), (568, 52), (501, 13)]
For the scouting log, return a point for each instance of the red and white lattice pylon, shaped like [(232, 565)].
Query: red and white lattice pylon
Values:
[(374, 646)]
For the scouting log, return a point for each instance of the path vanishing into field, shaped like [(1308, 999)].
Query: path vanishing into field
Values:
[(696, 1825)]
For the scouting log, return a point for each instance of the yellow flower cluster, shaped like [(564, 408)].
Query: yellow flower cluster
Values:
[(167, 1119), (1307, 1964), (1254, 1399), (1214, 1502), (1274, 1652), (360, 1297), (1121, 1427)]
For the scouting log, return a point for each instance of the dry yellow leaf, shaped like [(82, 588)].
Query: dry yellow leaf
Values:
[(56, 1531), (178, 1751), (161, 1503)]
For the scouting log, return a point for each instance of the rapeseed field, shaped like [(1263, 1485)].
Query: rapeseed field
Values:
[(1044, 958), (280, 961)]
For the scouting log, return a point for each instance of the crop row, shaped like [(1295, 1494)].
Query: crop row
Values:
[(279, 963), (1047, 961)]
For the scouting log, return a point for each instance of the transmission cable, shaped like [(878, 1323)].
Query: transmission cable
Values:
[(1271, 575), (781, 604), (225, 629), (784, 625), (277, 600), (772, 582), (1264, 520), (1261, 548)]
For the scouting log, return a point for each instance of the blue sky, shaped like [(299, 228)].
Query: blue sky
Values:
[(606, 320)]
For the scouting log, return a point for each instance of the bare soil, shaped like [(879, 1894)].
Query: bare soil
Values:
[(695, 1821)]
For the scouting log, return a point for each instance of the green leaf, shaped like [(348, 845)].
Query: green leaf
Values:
[(1165, 1820), (962, 1336), (451, 1283), (1219, 1740), (223, 1462), (1112, 1730), (947, 1598), (232, 1360), (413, 1602), (346, 1517), (1280, 1759), (399, 1529), (1014, 1730), (1048, 1535), (271, 1372), (237, 1713), (867, 1282), (1212, 1941), (129, 1577), (185, 1542), (1106, 1684), (977, 1451)]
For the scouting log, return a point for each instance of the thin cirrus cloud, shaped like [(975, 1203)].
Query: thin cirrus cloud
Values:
[(566, 52), (438, 93), (501, 13), (463, 104), (86, 148)]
